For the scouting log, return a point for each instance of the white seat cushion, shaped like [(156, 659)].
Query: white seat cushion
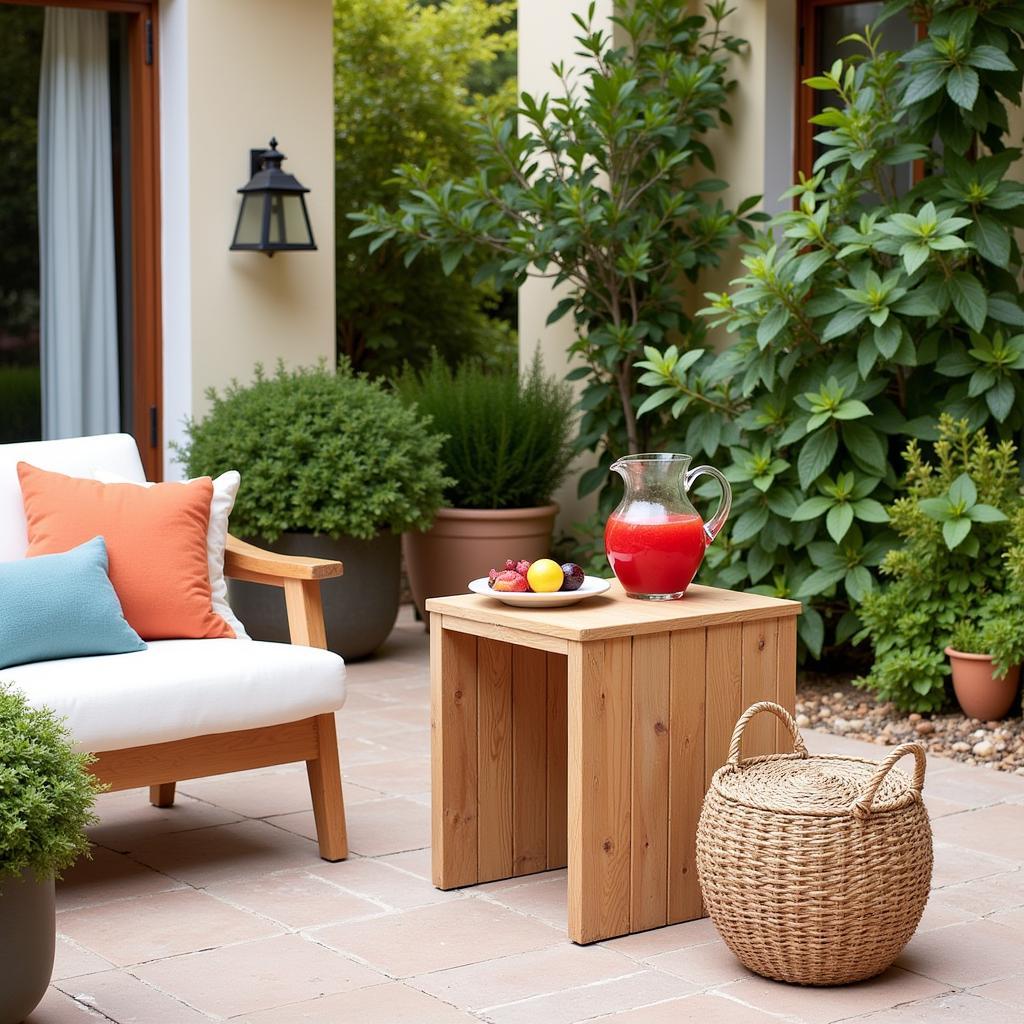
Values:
[(182, 688)]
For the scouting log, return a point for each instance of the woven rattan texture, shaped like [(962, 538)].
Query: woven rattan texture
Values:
[(815, 870)]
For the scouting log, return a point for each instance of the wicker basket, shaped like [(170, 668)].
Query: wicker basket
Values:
[(815, 870)]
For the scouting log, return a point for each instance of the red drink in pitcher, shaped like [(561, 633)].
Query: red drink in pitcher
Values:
[(655, 540)]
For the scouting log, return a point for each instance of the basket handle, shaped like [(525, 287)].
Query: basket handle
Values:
[(780, 713), (861, 808)]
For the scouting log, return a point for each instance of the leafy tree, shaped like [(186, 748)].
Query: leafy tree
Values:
[(865, 313), (604, 193), (403, 77)]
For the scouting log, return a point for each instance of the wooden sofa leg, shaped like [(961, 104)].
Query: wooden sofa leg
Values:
[(325, 789), (162, 795)]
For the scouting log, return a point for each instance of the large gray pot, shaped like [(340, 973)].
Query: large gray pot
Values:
[(360, 607), (28, 926)]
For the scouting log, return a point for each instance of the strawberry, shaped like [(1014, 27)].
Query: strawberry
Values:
[(491, 577), (511, 582), (522, 567), (510, 565)]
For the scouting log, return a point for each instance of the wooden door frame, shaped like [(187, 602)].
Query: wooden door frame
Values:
[(145, 271)]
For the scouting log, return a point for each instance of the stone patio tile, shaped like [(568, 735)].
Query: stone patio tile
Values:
[(984, 896), (128, 818), (820, 742), (165, 924), (545, 899), (253, 976), (416, 862), (939, 914), (385, 882), (244, 850), (406, 744), (1011, 919), (974, 786), (956, 1008), (824, 1005), (401, 777), (253, 796), (644, 945), (512, 978), (956, 864), (393, 1003), (439, 937), (581, 1004), (939, 808), (57, 1008), (367, 725), (1009, 991), (122, 997), (357, 750), (376, 827), (71, 960), (409, 712), (709, 1008), (108, 876), (995, 831), (710, 964), (295, 899), (965, 954)]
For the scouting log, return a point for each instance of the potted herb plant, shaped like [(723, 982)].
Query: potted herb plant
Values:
[(506, 450), (985, 653), (333, 466), (956, 580), (46, 797)]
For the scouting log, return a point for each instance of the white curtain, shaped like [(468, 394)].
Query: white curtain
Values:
[(78, 295)]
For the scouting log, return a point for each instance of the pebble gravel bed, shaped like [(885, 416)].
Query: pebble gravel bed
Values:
[(836, 706)]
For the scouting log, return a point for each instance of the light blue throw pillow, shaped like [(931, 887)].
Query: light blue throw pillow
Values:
[(62, 606)]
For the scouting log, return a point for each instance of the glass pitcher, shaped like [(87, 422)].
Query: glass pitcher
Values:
[(655, 540)]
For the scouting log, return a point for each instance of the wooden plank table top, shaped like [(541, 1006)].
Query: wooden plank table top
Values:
[(615, 614)]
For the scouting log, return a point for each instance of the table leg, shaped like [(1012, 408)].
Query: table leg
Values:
[(599, 714), (453, 757)]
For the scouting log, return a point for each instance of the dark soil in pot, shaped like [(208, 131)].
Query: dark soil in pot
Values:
[(360, 607)]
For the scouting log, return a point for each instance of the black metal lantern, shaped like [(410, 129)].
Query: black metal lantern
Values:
[(273, 216)]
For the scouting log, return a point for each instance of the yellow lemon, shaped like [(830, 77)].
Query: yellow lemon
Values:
[(545, 576)]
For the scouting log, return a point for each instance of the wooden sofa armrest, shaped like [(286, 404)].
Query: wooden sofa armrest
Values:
[(299, 576)]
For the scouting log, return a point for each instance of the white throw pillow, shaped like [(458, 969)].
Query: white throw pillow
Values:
[(225, 488)]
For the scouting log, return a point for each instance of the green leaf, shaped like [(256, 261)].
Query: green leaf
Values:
[(771, 325), (851, 409), (1006, 310), (869, 510), (991, 240), (815, 455), (1000, 399), (859, 583), (923, 83), (916, 303), (988, 58), (954, 531), (811, 628), (962, 491), (866, 448), (820, 580), (660, 397), (985, 514), (936, 508), (812, 508), (962, 87), (839, 520), (749, 524), (969, 298), (844, 322)]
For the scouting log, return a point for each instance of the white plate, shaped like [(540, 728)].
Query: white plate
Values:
[(591, 587)]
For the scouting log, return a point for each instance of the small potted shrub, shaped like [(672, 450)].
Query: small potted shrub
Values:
[(333, 466), (956, 579), (985, 653), (46, 797), (507, 451)]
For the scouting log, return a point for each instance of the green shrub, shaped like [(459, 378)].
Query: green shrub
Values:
[(21, 402), (406, 74), (952, 578), (607, 187), (864, 314), (507, 437), (46, 793), (319, 452)]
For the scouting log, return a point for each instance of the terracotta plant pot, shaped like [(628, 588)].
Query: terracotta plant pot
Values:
[(28, 926), (464, 543), (981, 695)]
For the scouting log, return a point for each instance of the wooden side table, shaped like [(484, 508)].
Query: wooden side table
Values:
[(586, 736)]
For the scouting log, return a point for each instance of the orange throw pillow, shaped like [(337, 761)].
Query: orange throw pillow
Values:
[(156, 541)]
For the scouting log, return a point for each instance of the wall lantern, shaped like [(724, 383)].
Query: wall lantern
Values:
[(273, 216)]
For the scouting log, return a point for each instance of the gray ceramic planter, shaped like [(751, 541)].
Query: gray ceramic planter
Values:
[(360, 607), (27, 932)]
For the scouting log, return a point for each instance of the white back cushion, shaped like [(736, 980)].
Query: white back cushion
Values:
[(77, 456)]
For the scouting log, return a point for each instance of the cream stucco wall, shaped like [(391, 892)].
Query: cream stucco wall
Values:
[(233, 73)]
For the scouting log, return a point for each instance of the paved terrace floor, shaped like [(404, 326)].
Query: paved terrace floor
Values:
[(220, 908)]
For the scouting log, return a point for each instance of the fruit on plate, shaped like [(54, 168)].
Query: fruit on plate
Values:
[(572, 576), (510, 581), (545, 576)]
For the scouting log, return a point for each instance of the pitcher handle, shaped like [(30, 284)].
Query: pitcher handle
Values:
[(717, 521)]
